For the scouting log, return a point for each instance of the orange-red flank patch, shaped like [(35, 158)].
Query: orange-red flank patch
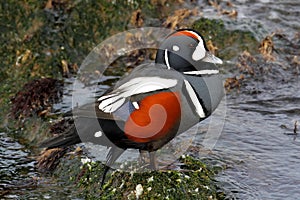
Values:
[(156, 116)]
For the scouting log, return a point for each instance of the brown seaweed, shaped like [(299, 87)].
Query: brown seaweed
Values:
[(36, 98)]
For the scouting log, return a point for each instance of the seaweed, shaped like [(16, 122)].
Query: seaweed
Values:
[(36, 98)]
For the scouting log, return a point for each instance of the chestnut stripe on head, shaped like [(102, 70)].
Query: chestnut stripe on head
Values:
[(188, 33)]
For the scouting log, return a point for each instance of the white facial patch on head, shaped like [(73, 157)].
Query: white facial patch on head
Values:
[(199, 52), (175, 48)]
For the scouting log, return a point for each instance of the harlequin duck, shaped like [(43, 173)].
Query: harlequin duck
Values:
[(154, 103)]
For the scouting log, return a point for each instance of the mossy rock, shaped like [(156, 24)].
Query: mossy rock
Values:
[(195, 181), (37, 37)]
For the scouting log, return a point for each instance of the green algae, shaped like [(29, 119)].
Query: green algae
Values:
[(37, 38), (194, 181)]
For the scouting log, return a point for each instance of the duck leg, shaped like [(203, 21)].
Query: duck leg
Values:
[(143, 159), (153, 161), (113, 154)]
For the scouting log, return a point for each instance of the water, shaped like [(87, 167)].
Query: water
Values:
[(19, 178), (274, 15), (263, 160), (14, 164), (261, 156)]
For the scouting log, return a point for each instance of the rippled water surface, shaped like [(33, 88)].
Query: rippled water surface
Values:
[(257, 144), (19, 178), (263, 159), (14, 162)]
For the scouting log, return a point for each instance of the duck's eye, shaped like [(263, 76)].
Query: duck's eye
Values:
[(175, 48)]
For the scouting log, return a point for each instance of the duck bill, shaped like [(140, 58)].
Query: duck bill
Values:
[(211, 59)]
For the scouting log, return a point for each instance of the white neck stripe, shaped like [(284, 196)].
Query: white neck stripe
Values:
[(203, 72), (167, 59)]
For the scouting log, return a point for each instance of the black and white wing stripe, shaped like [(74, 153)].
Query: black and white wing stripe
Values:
[(115, 99)]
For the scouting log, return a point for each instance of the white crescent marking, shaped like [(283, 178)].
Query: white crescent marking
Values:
[(199, 52), (167, 59), (194, 99)]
